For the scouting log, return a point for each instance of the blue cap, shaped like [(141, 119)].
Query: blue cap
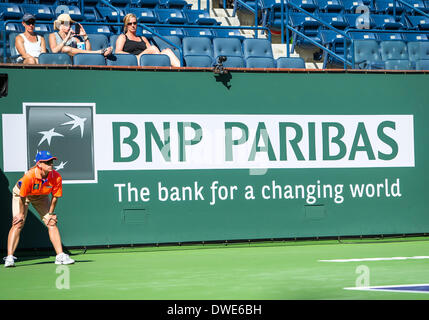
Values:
[(44, 156), (27, 17)]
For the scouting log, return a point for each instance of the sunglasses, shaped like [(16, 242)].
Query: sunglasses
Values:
[(30, 23), (132, 23), (50, 162)]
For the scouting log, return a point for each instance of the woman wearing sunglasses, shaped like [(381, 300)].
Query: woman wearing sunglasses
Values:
[(29, 45), (65, 40), (129, 42)]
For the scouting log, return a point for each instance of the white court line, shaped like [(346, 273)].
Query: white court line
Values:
[(376, 259), (375, 288)]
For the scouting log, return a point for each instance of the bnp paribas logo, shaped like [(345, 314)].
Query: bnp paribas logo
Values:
[(67, 131)]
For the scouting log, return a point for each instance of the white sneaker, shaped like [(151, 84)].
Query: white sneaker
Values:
[(63, 258), (9, 261)]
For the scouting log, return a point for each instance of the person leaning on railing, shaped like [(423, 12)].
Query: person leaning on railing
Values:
[(129, 42), (65, 40), (29, 45)]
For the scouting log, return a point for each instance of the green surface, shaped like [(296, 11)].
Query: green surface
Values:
[(277, 270)]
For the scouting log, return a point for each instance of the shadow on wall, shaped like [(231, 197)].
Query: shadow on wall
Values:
[(34, 234)]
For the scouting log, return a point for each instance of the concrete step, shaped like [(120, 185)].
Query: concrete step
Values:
[(280, 50)]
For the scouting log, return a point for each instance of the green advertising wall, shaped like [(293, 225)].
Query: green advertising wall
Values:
[(296, 154)]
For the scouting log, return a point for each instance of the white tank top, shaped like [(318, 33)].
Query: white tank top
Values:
[(32, 48)]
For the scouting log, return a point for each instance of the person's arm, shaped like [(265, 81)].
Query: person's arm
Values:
[(19, 44), (85, 37), (53, 205), (120, 44), (43, 45), (58, 47)]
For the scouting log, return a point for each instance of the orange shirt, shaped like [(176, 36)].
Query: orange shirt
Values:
[(32, 183)]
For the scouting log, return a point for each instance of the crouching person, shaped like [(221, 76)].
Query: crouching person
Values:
[(34, 187)]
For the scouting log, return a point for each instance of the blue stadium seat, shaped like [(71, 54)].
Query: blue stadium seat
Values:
[(169, 31), (418, 22), (200, 17), (350, 6), (393, 50), (418, 4), (306, 25), (415, 37), (228, 33), (336, 20), (72, 10), (260, 63), (97, 29), (144, 15), (388, 7), (335, 42), (98, 41), (230, 48), (367, 55), (89, 59), (199, 32), (197, 51), (155, 60), (177, 4), (109, 14), (199, 61), (398, 65), (122, 60), (308, 5), (10, 11), (40, 11), (418, 50), (359, 21), (390, 36), (291, 62), (422, 65), (171, 16), (42, 28), (386, 22), (362, 35), (161, 44), (55, 58), (330, 5)]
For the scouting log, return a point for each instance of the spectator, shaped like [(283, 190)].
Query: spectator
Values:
[(65, 40), (129, 42), (29, 45)]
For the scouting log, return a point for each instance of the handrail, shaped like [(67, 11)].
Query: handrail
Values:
[(114, 8), (409, 6), (245, 5), (296, 7)]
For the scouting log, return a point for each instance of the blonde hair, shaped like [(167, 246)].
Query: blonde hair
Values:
[(127, 19)]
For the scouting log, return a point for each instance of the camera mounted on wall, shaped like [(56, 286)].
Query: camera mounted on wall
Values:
[(218, 67)]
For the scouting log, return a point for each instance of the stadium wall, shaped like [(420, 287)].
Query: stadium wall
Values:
[(168, 156)]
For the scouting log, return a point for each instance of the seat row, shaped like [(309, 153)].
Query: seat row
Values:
[(391, 55), (152, 60), (102, 13)]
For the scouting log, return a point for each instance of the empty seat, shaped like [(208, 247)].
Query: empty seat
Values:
[(351, 6), (397, 65), (336, 20), (291, 62), (418, 50), (169, 31), (72, 10), (306, 25), (199, 32), (414, 37), (260, 62), (259, 48), (359, 21), (330, 5), (98, 41), (89, 59), (144, 15), (422, 65), (178, 4), (231, 49), (390, 36), (367, 55), (198, 51), (122, 60), (55, 58), (10, 11), (155, 60), (393, 50), (386, 22), (388, 7), (200, 17), (171, 16), (109, 14), (419, 22), (40, 11), (228, 33), (308, 5)]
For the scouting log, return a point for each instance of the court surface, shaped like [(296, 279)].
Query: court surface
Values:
[(265, 270)]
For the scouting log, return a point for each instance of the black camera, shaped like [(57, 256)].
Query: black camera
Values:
[(218, 67)]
